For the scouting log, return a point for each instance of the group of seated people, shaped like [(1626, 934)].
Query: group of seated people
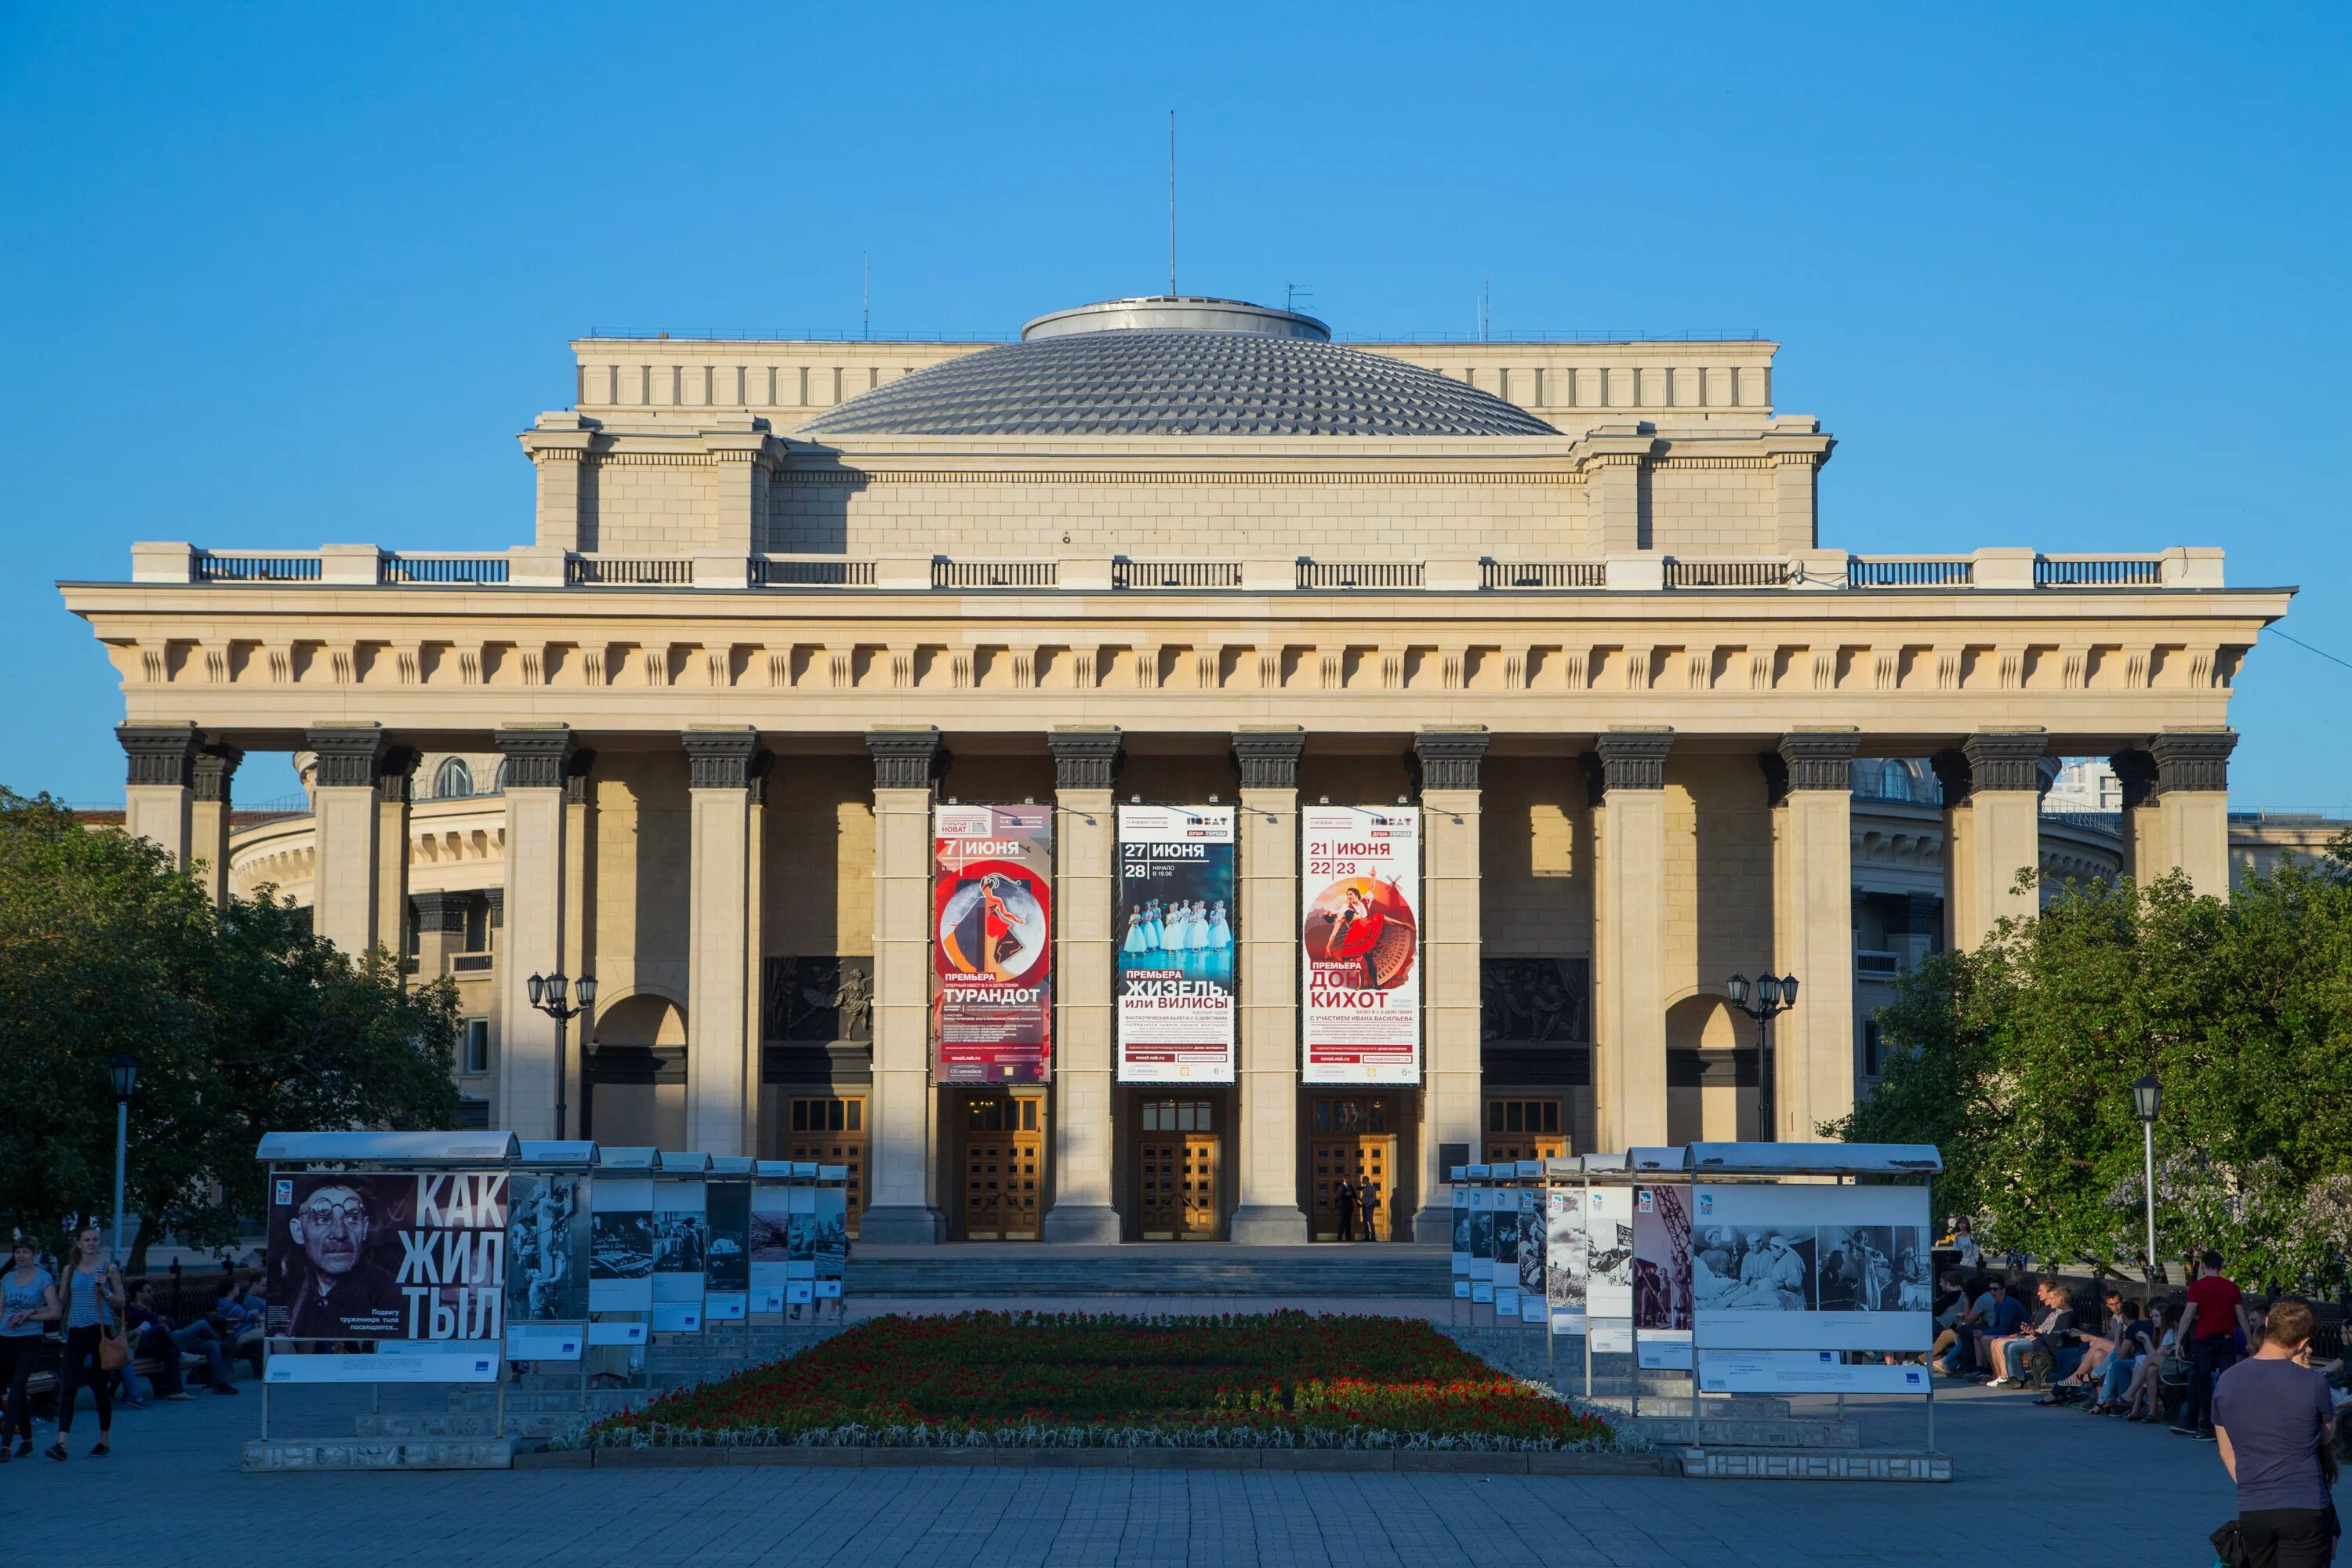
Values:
[(231, 1328), (2135, 1366)]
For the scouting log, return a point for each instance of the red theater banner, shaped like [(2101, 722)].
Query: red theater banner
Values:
[(992, 948), (1362, 943)]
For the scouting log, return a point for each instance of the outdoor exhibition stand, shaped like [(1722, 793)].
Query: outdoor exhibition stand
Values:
[(1867, 1201), (446, 1258), (364, 1184)]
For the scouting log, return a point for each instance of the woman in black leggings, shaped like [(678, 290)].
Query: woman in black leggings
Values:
[(28, 1302), (90, 1297)]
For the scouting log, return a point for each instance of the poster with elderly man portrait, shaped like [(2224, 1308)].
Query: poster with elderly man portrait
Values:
[(373, 1255)]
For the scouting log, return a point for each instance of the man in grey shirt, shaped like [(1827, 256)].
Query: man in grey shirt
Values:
[(2271, 1415)]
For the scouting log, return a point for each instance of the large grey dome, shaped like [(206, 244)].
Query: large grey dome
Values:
[(1130, 381)]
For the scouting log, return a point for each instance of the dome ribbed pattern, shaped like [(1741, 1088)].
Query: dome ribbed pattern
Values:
[(1175, 383)]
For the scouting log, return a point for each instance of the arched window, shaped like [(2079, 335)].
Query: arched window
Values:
[(453, 780)]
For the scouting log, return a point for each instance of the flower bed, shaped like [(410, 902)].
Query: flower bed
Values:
[(1076, 1379)]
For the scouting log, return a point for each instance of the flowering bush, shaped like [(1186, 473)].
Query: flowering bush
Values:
[(1080, 1380)]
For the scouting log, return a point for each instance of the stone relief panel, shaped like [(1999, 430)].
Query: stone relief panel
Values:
[(823, 999), (1529, 1001)]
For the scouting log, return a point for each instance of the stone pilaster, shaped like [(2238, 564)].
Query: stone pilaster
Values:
[(395, 778), (158, 794), (531, 940), (213, 770), (1086, 762), (2002, 834), (1449, 758), (1812, 928), (722, 1059), (345, 901), (1268, 1212), (440, 927), (2147, 857), (2192, 788), (900, 1121), (1629, 1079)]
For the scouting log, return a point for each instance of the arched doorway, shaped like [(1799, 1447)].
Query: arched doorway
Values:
[(636, 1077), (1710, 1071)]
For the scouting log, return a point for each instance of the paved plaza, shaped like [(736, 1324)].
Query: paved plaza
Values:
[(2023, 1475)]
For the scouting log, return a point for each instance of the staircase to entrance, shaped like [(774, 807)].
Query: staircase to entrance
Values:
[(983, 1272)]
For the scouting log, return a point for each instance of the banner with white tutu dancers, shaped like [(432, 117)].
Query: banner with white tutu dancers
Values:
[(1173, 930), (1362, 943), (992, 943)]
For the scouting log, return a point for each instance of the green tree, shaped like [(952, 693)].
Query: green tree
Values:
[(2017, 1060), (240, 1020)]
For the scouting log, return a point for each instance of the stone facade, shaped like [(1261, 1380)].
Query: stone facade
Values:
[(735, 665)]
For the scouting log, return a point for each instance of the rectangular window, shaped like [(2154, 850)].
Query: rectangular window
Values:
[(478, 1045), (1870, 1050)]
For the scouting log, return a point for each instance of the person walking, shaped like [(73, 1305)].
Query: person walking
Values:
[(26, 1308), (91, 1300), (1369, 1195), (1343, 1198), (2271, 1415), (2216, 1310)]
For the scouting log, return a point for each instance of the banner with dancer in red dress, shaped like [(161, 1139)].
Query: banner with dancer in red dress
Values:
[(1362, 943), (991, 950)]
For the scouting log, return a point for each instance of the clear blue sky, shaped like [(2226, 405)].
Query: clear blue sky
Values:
[(2073, 277)]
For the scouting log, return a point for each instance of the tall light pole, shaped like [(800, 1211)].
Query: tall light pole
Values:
[(547, 994), (1775, 994), (123, 1074), (2146, 1095)]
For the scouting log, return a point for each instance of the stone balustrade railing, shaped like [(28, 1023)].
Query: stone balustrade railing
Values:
[(366, 565)]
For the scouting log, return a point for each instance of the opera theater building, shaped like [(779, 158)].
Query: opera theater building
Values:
[(1117, 783)]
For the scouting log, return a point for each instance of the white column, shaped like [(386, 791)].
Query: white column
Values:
[(216, 767), (1450, 934), (898, 1117), (1998, 830), (344, 903), (721, 1056), (1086, 760), (1629, 1055), (158, 796), (1812, 930), (2145, 856), (1268, 1213), (2192, 788), (395, 774), (531, 940)]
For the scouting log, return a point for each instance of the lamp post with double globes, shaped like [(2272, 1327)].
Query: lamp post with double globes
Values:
[(122, 1074), (548, 994), (2146, 1096), (1774, 995)]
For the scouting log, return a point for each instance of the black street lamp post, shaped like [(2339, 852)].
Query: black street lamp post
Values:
[(2146, 1096), (1774, 995), (123, 1075), (547, 994)]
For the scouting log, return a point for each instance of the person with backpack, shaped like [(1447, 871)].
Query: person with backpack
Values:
[(2275, 1420)]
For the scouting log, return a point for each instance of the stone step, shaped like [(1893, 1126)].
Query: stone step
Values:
[(294, 1454), (1735, 1433), (411, 1423), (1809, 1464), (1016, 1269), (600, 1402)]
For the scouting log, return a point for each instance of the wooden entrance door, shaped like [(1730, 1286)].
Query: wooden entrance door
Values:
[(1003, 1153), (1524, 1130), (829, 1129), (1351, 1139), (1176, 1165)]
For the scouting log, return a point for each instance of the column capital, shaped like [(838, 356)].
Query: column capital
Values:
[(2136, 771), (1449, 755), (536, 758), (1635, 758), (904, 759), (2193, 761), (495, 901), (395, 774), (1952, 777), (1821, 759), (2006, 759), (1085, 757), (347, 755), (1269, 758), (583, 762), (158, 753), (214, 766), (720, 758), (443, 911)]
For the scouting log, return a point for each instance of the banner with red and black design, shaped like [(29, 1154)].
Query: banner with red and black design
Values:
[(1361, 943), (992, 943)]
